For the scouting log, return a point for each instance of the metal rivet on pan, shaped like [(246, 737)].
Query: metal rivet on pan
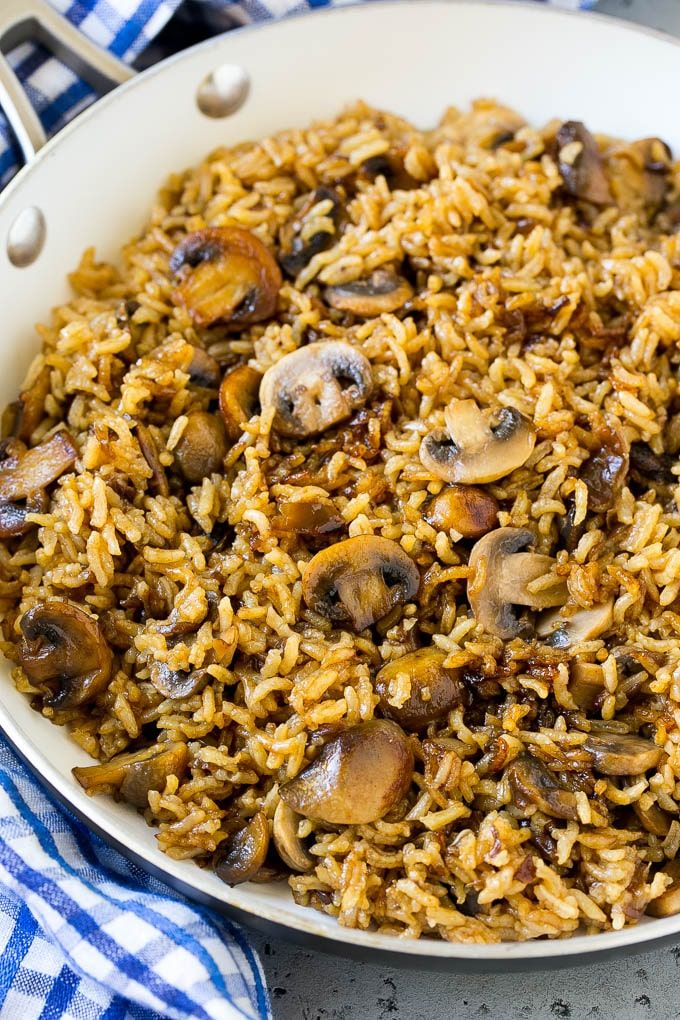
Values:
[(26, 237), (223, 91)]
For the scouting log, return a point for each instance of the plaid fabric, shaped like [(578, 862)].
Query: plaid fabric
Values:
[(86, 935)]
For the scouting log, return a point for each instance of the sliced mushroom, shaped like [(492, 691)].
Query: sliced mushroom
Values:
[(28, 411), (24, 472), (649, 468), (638, 172), (653, 819), (463, 508), (315, 387), (202, 446), (133, 776), (668, 903), (64, 649), (434, 691), (500, 580), (359, 580), (175, 683), (622, 754), (226, 276), (532, 783), (563, 631), (158, 482), (289, 846), (586, 684), (13, 516), (581, 165), (239, 399), (383, 291), (358, 778), (204, 370), (477, 446), (312, 520), (605, 471), (240, 856), (313, 229)]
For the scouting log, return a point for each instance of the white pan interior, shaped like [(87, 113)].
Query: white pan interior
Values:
[(95, 183)]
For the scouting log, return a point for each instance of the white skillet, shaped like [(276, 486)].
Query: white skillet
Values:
[(95, 182)]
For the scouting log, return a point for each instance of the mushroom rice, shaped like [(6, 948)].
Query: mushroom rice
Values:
[(340, 523)]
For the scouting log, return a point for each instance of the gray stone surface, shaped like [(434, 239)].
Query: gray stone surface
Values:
[(314, 986)]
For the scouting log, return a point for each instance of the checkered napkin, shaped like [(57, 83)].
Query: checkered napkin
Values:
[(84, 934)]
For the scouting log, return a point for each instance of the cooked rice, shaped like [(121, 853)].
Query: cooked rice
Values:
[(524, 299)]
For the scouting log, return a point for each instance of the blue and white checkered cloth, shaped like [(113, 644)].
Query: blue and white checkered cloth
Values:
[(84, 934)]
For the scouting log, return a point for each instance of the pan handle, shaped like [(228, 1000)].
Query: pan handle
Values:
[(21, 20)]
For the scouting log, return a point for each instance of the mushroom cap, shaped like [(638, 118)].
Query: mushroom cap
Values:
[(562, 631), (668, 902), (435, 690), (240, 856), (502, 576), (315, 387), (470, 511), (622, 754), (359, 776), (532, 782), (227, 276), (64, 649), (288, 844), (477, 446), (239, 399), (134, 775), (382, 291), (204, 370), (202, 447), (311, 230), (359, 580), (174, 683), (24, 472), (581, 165)]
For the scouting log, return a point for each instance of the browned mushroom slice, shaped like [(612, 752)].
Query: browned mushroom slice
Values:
[(289, 846), (13, 516), (25, 472), (29, 409), (581, 165), (64, 649), (501, 578), (202, 446), (605, 471), (668, 903), (622, 754), (532, 783), (477, 446), (174, 683), (562, 631), (240, 856), (311, 230), (463, 508), (383, 291), (586, 684), (133, 776), (204, 370), (360, 580), (311, 520), (651, 469), (653, 819), (434, 690), (239, 399), (315, 387), (358, 777), (226, 276), (638, 172), (158, 482)]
